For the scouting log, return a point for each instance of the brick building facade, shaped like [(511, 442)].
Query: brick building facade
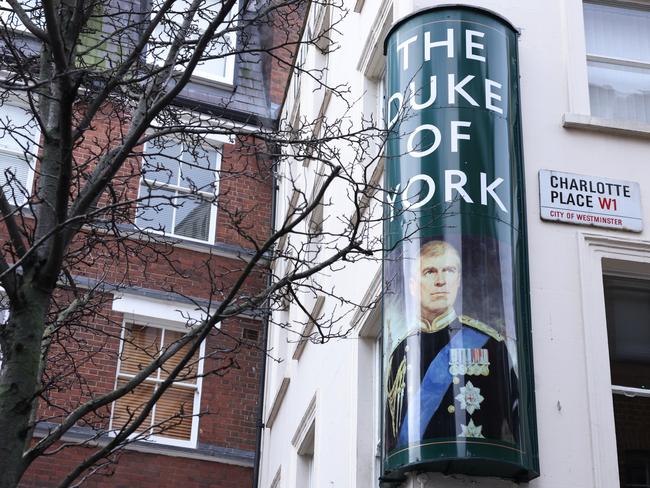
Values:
[(165, 268)]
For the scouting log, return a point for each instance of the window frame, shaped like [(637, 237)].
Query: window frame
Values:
[(315, 230), (611, 60), (204, 77), (600, 255), (4, 313), (18, 26), (31, 163), (229, 59), (304, 442), (143, 182), (369, 378), (618, 277), (301, 61), (164, 325)]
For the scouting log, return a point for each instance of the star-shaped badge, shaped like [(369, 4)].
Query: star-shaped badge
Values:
[(470, 398), (471, 430)]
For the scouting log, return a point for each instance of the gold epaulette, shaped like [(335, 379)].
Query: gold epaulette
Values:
[(480, 326)]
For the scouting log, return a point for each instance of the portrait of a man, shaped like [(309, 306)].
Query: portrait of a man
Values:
[(451, 376)]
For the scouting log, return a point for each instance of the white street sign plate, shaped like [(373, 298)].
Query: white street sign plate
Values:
[(590, 200)]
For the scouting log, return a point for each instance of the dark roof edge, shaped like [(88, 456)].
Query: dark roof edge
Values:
[(226, 113)]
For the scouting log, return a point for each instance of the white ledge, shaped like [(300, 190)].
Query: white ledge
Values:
[(608, 126), (277, 401), (629, 391)]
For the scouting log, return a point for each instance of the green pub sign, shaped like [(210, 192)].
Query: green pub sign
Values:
[(458, 380)]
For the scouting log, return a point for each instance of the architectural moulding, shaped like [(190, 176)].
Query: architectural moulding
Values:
[(600, 254)]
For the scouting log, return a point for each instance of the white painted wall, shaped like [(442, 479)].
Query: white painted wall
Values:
[(574, 409)]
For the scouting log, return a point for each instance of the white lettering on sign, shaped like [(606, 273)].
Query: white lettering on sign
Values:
[(460, 87), (411, 196), (428, 45), (590, 200), (456, 90), (418, 148), (470, 45)]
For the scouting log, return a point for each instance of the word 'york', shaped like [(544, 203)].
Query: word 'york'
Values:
[(453, 180)]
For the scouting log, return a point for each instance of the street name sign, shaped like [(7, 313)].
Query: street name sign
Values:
[(590, 200)]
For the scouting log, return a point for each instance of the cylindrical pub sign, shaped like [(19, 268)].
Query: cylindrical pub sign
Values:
[(458, 383)]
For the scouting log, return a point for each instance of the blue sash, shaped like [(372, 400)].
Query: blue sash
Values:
[(435, 383)]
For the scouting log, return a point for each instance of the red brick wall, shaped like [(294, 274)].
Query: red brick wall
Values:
[(286, 26), (229, 398), (139, 470)]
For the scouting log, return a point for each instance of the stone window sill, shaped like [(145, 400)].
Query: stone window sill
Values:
[(607, 126), (86, 437)]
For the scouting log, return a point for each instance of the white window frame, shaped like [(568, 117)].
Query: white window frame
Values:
[(167, 315), (203, 76), (303, 440), (31, 163), (315, 224), (603, 254), (369, 385), (629, 63), (4, 315), (198, 387), (17, 25), (277, 479), (301, 60), (579, 114), (229, 72), (212, 230)]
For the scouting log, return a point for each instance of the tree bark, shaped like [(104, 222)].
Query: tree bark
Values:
[(19, 381)]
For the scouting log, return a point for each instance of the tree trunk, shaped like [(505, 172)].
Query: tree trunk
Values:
[(19, 382)]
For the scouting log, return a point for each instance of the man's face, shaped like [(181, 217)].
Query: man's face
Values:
[(439, 283)]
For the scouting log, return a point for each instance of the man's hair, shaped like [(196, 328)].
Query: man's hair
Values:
[(437, 248)]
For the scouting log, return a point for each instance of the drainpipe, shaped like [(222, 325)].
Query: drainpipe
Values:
[(265, 329)]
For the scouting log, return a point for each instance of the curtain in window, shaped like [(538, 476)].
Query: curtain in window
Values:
[(618, 53)]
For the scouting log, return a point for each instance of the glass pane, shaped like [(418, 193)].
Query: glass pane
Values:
[(141, 346), (188, 375), (33, 9), (619, 92), (631, 417), (130, 405), (13, 177), (199, 169), (617, 32), (193, 217), (155, 211), (17, 130), (164, 33), (627, 303), (219, 46), (213, 68), (174, 413), (161, 161)]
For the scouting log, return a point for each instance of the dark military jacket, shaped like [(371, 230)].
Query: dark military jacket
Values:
[(465, 389)]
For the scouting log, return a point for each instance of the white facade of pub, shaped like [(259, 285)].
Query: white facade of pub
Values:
[(585, 98)]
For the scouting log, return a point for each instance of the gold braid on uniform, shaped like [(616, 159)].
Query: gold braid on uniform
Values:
[(481, 327), (437, 323), (395, 396)]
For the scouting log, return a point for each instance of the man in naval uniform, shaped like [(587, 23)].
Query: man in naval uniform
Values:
[(452, 377)]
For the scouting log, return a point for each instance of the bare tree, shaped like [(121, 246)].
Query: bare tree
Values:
[(93, 97)]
